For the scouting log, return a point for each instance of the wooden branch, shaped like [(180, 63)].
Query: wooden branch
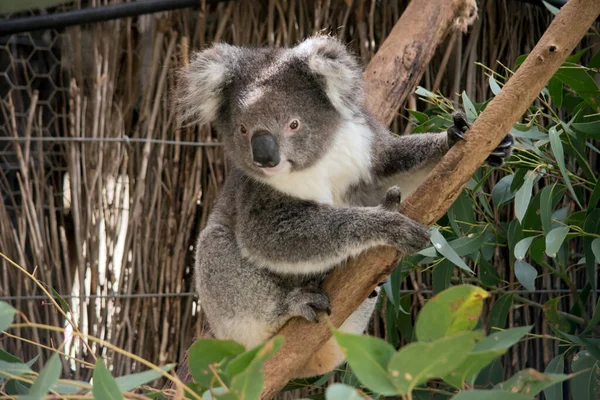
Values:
[(350, 285)]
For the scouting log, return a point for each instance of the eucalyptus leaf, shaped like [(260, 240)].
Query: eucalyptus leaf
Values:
[(494, 87), (45, 380), (530, 382), (418, 362), (555, 366), (442, 246), (501, 193), (104, 385), (523, 196), (7, 313), (338, 391), (500, 310), (596, 249), (479, 394), (522, 247), (454, 310), (559, 155), (205, 352), (369, 357), (470, 110), (525, 274), (555, 239), (585, 383), (132, 381)]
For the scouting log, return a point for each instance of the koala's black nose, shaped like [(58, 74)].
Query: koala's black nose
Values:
[(265, 151)]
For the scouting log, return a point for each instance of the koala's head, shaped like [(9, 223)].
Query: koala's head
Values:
[(276, 110)]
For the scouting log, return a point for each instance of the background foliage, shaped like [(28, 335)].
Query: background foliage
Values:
[(529, 231)]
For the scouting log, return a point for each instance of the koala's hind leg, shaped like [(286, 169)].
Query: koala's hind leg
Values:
[(330, 356)]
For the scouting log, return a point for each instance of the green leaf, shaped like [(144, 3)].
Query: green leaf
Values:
[(248, 384), (7, 313), (205, 352), (419, 116), (500, 310), (47, 377), (596, 249), (441, 276), (132, 381), (577, 78), (522, 247), (478, 394), (495, 88), (551, 8), (4, 356), (530, 382), (554, 317), (595, 197), (484, 352), (369, 357), (555, 366), (470, 110), (418, 362), (523, 196), (594, 321), (14, 368), (71, 387), (555, 239), (338, 391), (559, 155), (591, 225), (490, 375), (546, 208), (585, 384), (442, 246), (590, 130), (525, 274), (501, 192), (454, 310), (487, 273), (104, 385), (63, 304), (555, 87), (461, 214)]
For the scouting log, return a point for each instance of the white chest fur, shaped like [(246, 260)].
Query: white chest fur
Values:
[(347, 162)]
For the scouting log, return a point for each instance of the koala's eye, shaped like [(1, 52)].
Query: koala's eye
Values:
[(294, 125), (243, 130)]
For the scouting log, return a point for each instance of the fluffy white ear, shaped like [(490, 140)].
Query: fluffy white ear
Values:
[(328, 57), (200, 89)]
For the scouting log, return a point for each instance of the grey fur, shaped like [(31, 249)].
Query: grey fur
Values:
[(273, 236)]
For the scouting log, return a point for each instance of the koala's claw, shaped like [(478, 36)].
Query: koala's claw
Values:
[(306, 301), (460, 126)]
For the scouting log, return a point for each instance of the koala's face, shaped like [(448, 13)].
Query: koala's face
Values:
[(276, 110)]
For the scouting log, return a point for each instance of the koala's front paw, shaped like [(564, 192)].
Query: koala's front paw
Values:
[(306, 301), (412, 236), (460, 127), (408, 235), (501, 152)]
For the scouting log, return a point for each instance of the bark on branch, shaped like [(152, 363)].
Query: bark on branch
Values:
[(392, 74)]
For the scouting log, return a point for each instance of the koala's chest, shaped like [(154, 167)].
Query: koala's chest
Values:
[(344, 166)]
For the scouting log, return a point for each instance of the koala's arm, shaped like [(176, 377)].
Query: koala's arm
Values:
[(289, 235), (410, 153)]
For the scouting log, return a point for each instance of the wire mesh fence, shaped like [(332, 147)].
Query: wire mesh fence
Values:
[(103, 192)]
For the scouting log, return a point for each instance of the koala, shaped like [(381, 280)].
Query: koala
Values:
[(314, 181)]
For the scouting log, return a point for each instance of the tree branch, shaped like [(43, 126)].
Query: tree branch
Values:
[(389, 78)]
